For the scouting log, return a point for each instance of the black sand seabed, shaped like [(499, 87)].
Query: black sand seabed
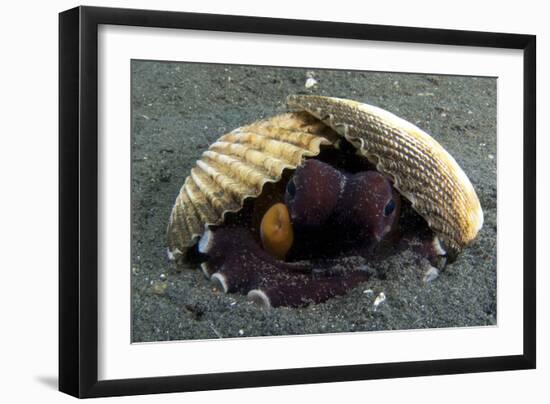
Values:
[(179, 109)]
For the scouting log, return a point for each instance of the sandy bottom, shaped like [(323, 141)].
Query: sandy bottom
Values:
[(179, 109)]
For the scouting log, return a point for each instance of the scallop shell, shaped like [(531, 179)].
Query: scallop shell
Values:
[(236, 167), (419, 167), (240, 163)]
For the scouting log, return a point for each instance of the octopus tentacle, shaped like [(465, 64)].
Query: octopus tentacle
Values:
[(250, 270)]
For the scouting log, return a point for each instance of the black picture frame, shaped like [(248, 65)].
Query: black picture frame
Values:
[(78, 201)]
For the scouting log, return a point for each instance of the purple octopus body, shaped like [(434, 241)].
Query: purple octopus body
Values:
[(353, 211), (333, 214)]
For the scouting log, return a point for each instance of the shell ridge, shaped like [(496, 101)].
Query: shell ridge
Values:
[(242, 170), (274, 147), (191, 219), (184, 220), (255, 157), (215, 194), (299, 138), (175, 237), (200, 202), (230, 184)]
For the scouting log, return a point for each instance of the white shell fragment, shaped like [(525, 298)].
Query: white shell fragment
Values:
[(431, 274), (381, 298), (368, 292), (310, 82)]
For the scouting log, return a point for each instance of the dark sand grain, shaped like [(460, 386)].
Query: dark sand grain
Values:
[(178, 109)]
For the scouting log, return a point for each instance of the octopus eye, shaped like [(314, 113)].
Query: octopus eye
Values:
[(389, 208), (291, 188)]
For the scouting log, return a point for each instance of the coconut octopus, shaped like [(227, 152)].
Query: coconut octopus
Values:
[(292, 210)]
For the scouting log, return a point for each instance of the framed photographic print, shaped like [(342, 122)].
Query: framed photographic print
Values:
[(251, 201)]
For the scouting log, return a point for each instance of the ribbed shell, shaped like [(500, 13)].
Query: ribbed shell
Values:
[(237, 166), (420, 168)]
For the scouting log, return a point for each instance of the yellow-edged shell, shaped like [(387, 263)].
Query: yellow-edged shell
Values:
[(240, 163), (236, 167)]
